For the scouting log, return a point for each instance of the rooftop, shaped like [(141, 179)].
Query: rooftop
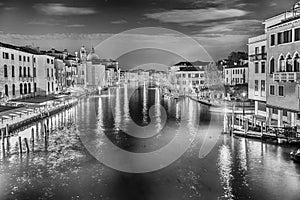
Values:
[(25, 49)]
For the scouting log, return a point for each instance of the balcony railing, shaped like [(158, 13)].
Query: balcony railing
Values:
[(28, 79), (257, 57), (286, 76)]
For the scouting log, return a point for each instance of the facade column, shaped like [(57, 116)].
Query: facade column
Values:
[(256, 107), (269, 116), (280, 118), (293, 119)]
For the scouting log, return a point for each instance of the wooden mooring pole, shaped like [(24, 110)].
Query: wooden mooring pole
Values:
[(20, 145), (26, 143), (32, 139)]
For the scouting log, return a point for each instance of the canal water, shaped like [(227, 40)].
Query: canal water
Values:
[(214, 166)]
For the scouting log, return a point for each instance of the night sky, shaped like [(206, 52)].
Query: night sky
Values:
[(220, 26)]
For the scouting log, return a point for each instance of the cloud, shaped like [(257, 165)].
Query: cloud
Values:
[(46, 22), (10, 8), (122, 21), (195, 15), (75, 25), (60, 9), (241, 27)]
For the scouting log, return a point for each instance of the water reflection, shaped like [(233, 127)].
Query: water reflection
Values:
[(236, 168)]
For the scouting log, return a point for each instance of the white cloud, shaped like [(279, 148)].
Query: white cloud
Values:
[(60, 9), (196, 15), (234, 27), (10, 8), (75, 25), (122, 21)]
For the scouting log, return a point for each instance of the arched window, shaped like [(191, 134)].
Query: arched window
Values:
[(12, 71), (6, 90), (281, 64), (25, 88), (289, 64), (272, 66), (21, 88), (24, 71), (13, 90), (5, 71), (20, 71), (297, 63), (29, 88)]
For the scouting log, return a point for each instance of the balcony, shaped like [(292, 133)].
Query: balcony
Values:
[(258, 57), (28, 79), (286, 76)]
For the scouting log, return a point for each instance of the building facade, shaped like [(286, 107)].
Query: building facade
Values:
[(190, 80), (17, 72), (283, 41), (257, 73), (46, 82), (236, 75)]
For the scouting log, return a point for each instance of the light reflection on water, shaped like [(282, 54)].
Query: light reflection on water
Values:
[(236, 168)]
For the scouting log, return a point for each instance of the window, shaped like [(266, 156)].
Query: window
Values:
[(13, 90), (297, 63), (28, 59), (51, 61), (273, 40), (272, 90), (21, 88), (12, 56), (263, 67), (289, 64), (233, 71), (53, 74), (281, 90), (287, 36), (196, 75), (6, 90), (189, 75), (263, 49), (256, 50), (297, 34), (12, 71), (24, 58), (5, 71), (279, 38), (281, 64), (24, 71), (29, 88), (28, 71), (263, 85), (25, 88), (272, 66), (48, 73), (5, 55), (20, 58), (20, 71), (34, 87), (34, 72), (34, 60), (48, 61), (256, 86), (256, 68)]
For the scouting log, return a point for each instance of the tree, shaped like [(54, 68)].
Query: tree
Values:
[(235, 57)]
